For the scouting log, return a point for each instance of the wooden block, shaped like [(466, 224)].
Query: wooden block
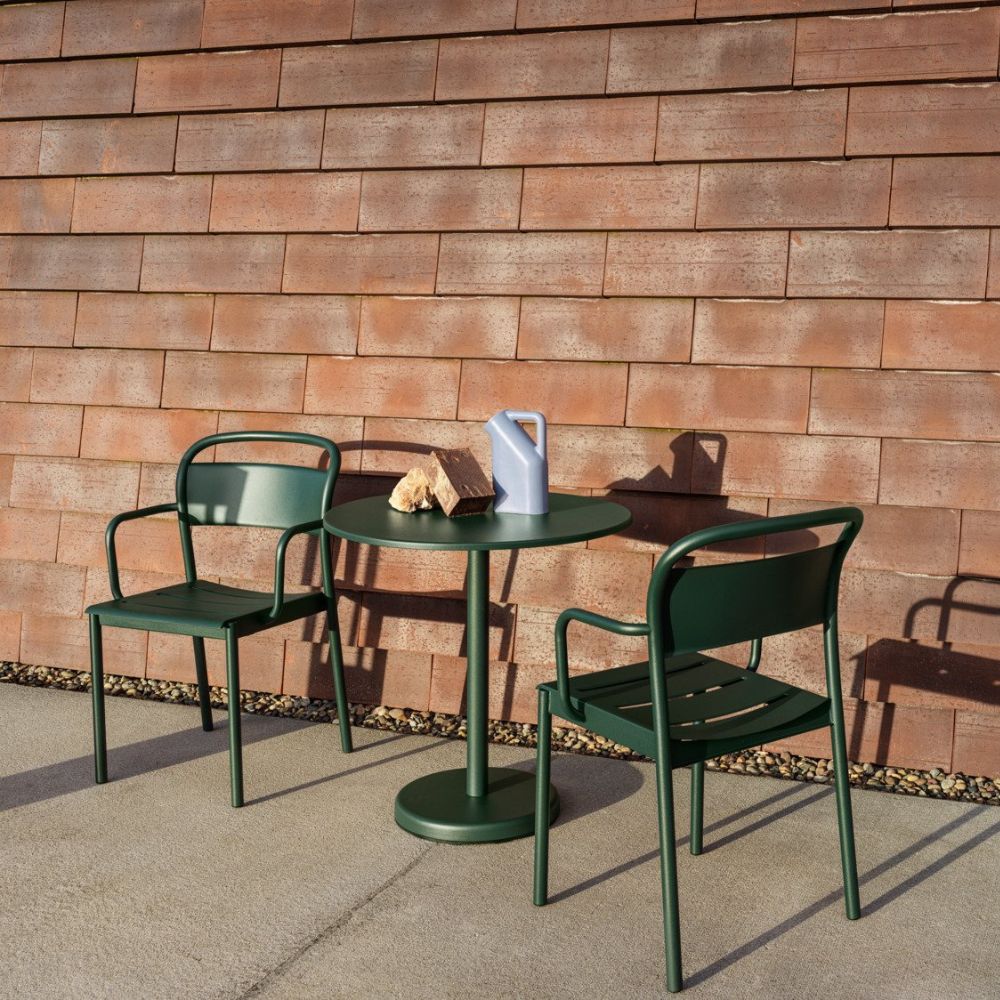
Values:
[(460, 484)]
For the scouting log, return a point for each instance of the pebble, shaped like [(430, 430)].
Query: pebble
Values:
[(900, 781)]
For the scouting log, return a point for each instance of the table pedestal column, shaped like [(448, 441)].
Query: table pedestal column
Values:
[(477, 681), (477, 803)]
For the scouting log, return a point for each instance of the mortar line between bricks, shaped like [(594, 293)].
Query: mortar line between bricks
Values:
[(177, 138), (72, 212), (281, 291), (322, 150), (881, 343), (201, 29), (281, 69), (847, 120), (62, 33), (437, 67), (458, 390), (208, 227), (482, 138), (809, 402), (331, 929), (888, 209), (961, 531), (697, 193), (878, 477), (211, 325), (989, 260)]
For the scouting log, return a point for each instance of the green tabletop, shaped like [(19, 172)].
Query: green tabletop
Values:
[(477, 803), (570, 519)]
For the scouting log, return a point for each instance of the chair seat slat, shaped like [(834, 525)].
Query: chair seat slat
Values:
[(708, 699)]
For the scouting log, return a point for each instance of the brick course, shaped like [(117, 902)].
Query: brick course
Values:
[(215, 81), (271, 22), (946, 45), (99, 27), (744, 255)]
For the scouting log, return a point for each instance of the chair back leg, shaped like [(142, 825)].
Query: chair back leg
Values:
[(668, 875), (337, 668), (697, 806), (97, 701), (235, 728), (201, 669), (542, 819)]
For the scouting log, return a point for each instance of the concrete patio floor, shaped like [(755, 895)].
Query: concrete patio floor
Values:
[(152, 886)]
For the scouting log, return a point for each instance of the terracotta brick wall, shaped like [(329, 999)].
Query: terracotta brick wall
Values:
[(739, 252)]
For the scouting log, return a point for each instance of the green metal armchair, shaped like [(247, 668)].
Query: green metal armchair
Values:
[(291, 498), (681, 707)]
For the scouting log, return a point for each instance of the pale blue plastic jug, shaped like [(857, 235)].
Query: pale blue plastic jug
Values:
[(520, 466)]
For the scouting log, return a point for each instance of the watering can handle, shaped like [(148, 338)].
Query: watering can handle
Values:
[(532, 417)]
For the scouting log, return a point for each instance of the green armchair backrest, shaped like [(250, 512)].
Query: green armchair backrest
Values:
[(692, 608), (253, 494)]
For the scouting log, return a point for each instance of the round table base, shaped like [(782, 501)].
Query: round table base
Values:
[(436, 807)]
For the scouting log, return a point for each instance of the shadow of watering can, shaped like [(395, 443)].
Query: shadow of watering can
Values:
[(520, 465)]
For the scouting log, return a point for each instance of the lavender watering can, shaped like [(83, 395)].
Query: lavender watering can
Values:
[(520, 466)]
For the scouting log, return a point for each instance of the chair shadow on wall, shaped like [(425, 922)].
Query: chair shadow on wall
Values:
[(952, 672)]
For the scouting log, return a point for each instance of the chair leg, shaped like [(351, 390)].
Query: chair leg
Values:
[(235, 740), (542, 818), (337, 668), (204, 697), (845, 821), (697, 806), (668, 875), (97, 701)]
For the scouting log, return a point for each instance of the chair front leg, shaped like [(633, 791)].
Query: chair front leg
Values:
[(668, 875), (204, 697), (543, 758), (841, 779), (97, 701), (697, 806), (235, 740), (337, 668), (845, 821)]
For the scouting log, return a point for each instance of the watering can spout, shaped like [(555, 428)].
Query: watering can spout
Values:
[(520, 465)]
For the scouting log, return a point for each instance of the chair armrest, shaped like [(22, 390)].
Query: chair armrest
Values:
[(587, 618), (109, 540), (279, 562)]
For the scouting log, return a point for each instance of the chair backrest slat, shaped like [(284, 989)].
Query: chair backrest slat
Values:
[(263, 496), (693, 608), (253, 493), (720, 605)]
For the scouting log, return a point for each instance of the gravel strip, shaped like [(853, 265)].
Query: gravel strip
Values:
[(935, 784)]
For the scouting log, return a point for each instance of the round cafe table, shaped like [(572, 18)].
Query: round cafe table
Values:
[(477, 803)]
